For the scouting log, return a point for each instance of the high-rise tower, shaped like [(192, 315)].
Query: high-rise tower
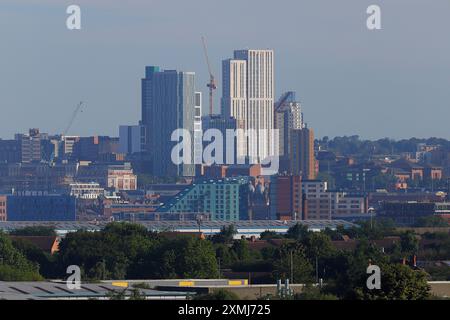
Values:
[(168, 103), (248, 94)]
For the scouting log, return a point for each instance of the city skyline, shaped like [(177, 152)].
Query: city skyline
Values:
[(385, 79)]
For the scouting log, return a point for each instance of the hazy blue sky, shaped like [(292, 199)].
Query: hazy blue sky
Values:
[(389, 83)]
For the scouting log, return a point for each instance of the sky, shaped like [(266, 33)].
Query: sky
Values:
[(393, 82)]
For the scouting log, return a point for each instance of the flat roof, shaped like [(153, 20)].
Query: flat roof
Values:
[(68, 226), (59, 290)]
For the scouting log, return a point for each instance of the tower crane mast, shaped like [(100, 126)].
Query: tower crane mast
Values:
[(212, 82)]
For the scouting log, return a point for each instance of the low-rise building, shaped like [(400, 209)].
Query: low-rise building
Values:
[(286, 197), (86, 191), (117, 177), (224, 199), (3, 207), (321, 203), (40, 206)]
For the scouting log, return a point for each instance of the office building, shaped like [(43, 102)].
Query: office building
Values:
[(131, 139), (233, 134), (286, 197), (68, 143), (86, 191), (301, 158), (288, 116), (30, 145), (39, 206), (117, 177), (223, 199), (320, 203), (168, 104), (96, 148), (10, 151)]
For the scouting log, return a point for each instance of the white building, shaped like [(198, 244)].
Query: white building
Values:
[(87, 191), (198, 130), (320, 203), (122, 179), (248, 94), (69, 143)]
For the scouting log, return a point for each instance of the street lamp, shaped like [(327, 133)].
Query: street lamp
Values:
[(199, 222)]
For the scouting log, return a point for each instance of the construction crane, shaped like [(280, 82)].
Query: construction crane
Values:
[(72, 118), (212, 82)]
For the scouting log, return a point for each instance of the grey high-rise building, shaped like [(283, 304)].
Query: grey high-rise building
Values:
[(233, 139), (131, 139), (288, 116), (30, 145), (168, 104)]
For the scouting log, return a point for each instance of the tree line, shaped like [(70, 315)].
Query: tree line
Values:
[(130, 251)]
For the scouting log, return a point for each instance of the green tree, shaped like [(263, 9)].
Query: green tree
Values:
[(310, 292), (241, 250), (318, 245), (226, 234), (226, 256), (290, 260), (409, 243), (267, 235), (399, 282), (37, 256), (13, 264), (182, 257), (35, 231), (297, 232), (431, 222), (219, 294)]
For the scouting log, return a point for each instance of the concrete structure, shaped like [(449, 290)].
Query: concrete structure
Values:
[(86, 191), (288, 116), (131, 139), (234, 98), (36, 176), (223, 199), (198, 129), (10, 151), (97, 149), (409, 212), (320, 203), (286, 197), (302, 160), (117, 177), (38, 206), (3, 208), (233, 151), (120, 178), (30, 146), (43, 290), (248, 94), (244, 228), (168, 104), (68, 143)]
